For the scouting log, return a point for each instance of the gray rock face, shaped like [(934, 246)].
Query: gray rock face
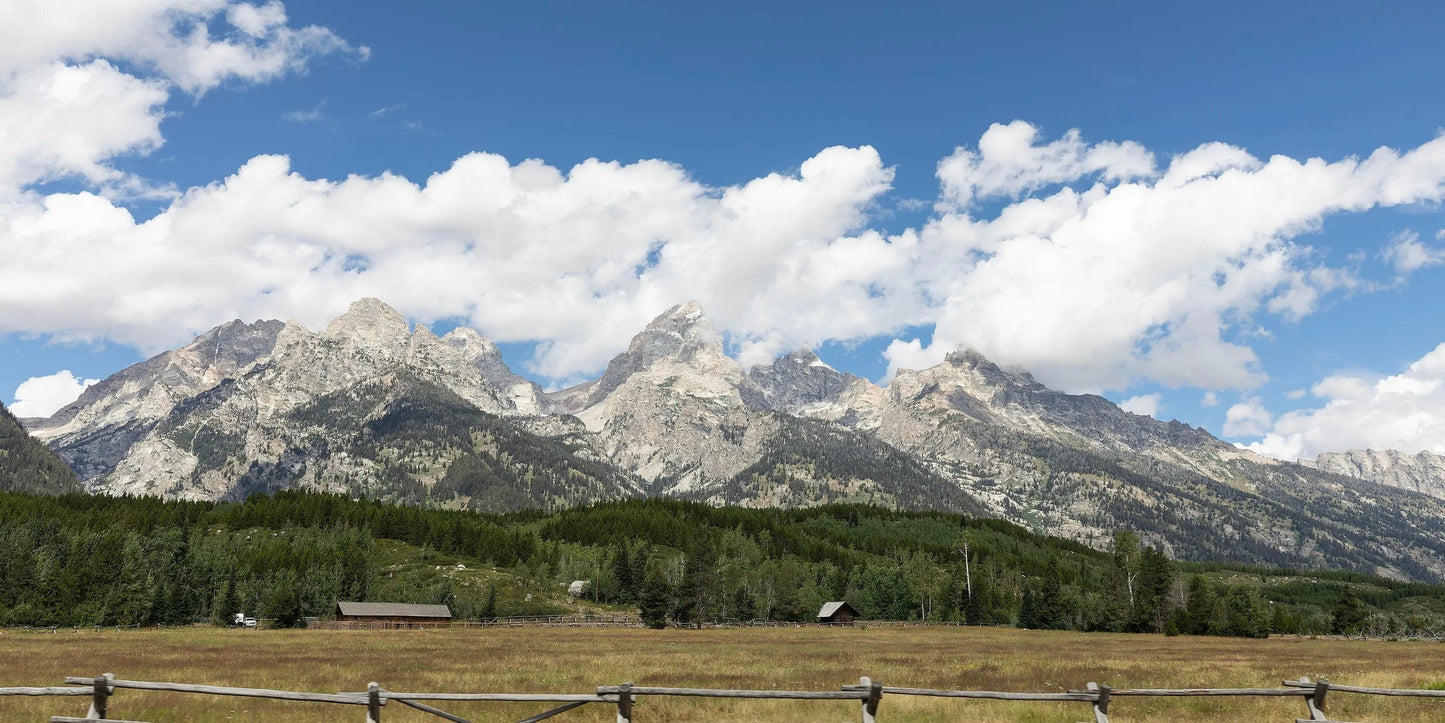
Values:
[(799, 381), (96, 431), (1423, 472)]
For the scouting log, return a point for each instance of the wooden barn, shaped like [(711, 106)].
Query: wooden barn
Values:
[(398, 614), (838, 613)]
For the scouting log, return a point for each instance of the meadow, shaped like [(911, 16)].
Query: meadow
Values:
[(578, 660)]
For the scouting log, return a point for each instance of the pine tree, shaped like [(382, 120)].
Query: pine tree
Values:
[(622, 572), (745, 607), (489, 603), (1151, 599), (225, 605), (656, 599), (1199, 609), (1028, 614), (1349, 614)]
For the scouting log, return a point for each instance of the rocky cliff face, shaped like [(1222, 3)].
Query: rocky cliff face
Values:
[(369, 406), (1423, 472)]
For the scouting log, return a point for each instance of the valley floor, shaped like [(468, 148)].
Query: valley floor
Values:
[(577, 660)]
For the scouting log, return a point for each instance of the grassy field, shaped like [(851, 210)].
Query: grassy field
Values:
[(577, 660)]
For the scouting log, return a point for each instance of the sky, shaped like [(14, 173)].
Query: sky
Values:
[(1225, 214)]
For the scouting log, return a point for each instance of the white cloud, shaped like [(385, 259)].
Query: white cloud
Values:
[(85, 81), (1091, 289), (1405, 411), (1296, 394), (1161, 277), (42, 396), (1248, 418), (1407, 254), (1145, 404), (1210, 399), (1009, 161)]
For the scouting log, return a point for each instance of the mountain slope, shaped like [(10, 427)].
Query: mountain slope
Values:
[(26, 465), (95, 432), (1078, 465)]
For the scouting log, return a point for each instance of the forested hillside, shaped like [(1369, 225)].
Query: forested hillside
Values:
[(82, 560), (26, 465)]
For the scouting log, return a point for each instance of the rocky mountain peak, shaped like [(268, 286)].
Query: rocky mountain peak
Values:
[(472, 345), (372, 325), (682, 333), (797, 380)]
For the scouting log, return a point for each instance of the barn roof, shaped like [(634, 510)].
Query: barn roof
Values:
[(832, 608), (386, 609)]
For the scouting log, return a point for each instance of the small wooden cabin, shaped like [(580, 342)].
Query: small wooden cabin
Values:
[(838, 613), (395, 613)]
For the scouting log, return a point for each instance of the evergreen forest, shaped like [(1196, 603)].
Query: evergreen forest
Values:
[(74, 559)]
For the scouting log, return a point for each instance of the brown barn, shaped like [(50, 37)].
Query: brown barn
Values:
[(399, 614), (838, 613)]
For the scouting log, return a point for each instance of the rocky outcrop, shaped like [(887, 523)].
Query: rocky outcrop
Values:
[(1423, 472)]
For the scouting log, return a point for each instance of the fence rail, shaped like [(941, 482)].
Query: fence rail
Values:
[(867, 693)]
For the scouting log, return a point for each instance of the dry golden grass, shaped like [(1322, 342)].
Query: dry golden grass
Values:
[(577, 660)]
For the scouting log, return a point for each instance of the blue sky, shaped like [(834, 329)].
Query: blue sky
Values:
[(729, 94)]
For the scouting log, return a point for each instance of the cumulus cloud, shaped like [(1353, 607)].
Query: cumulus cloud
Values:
[(1145, 404), (67, 108), (1404, 411), (1248, 418), (1150, 278), (1210, 399), (1160, 277), (1009, 161), (42, 396)]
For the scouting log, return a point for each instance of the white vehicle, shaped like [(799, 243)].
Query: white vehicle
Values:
[(249, 622), (239, 620)]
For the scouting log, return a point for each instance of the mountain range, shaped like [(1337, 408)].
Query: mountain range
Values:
[(372, 407)]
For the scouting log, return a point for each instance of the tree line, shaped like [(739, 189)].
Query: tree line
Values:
[(90, 560)]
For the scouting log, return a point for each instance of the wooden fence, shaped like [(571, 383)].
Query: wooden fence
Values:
[(867, 693)]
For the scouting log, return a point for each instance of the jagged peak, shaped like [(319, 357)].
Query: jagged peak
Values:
[(471, 343), (690, 310), (680, 331), (371, 323)]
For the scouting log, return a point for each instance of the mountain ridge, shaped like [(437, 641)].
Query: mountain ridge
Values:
[(674, 415)]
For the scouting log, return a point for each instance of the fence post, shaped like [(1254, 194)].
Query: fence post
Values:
[(373, 703), (1316, 702), (99, 698), (624, 702), (875, 694), (1101, 705)]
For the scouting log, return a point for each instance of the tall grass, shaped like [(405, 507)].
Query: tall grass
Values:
[(577, 660)]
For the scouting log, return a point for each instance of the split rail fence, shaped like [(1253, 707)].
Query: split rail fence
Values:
[(867, 693)]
